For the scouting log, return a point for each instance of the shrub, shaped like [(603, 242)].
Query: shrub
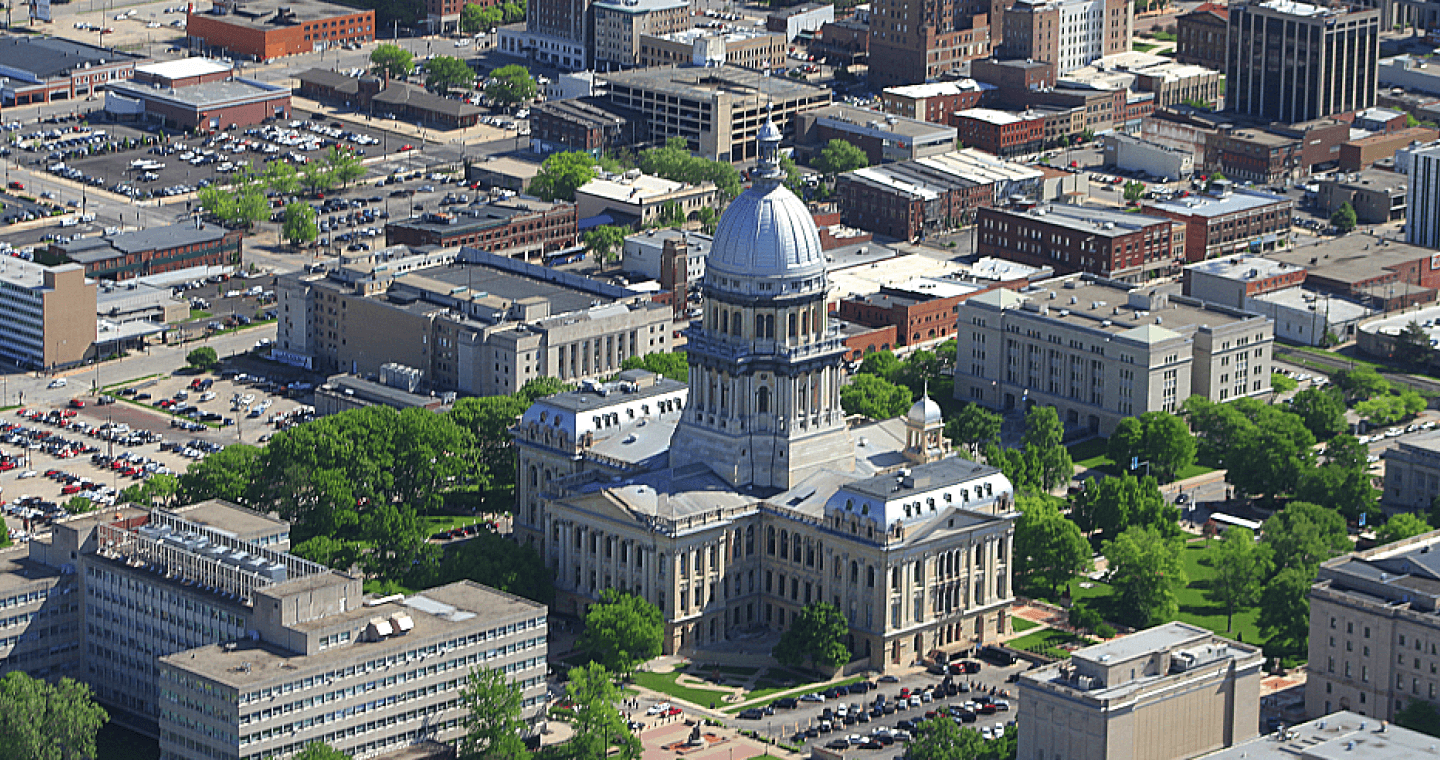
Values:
[(1105, 631)]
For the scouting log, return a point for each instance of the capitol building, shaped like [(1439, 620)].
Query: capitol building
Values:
[(735, 500)]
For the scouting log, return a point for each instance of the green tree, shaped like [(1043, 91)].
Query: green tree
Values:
[(1361, 384), (1049, 548), (300, 226), (1321, 410), (1218, 428), (330, 552), (944, 740), (321, 751), (1241, 566), (1112, 505), (1419, 715), (874, 397), (444, 73), (489, 419), (1084, 617), (1281, 384), (493, 726), (1146, 572), (537, 388), (597, 723), (882, 364), (513, 12), (1127, 443), (622, 631), (561, 174), (1285, 609), (474, 18), (1400, 527), (1412, 345), (316, 177), (1166, 443), (674, 162), (282, 177), (709, 219), (493, 560), (605, 243), (1344, 218), (1134, 191), (511, 85), (344, 165), (674, 365), (226, 474), (816, 636), (47, 721), (840, 156), (79, 505), (158, 490), (1343, 482), (202, 358), (217, 201), (391, 61), (1043, 441), (973, 428), (1302, 535), (1270, 460)]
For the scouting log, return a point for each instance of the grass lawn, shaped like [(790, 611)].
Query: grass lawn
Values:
[(1144, 48), (199, 314), (1091, 453), (1048, 642), (1163, 36), (665, 684), (116, 743), (703, 670), (1021, 624), (436, 523), (801, 686)]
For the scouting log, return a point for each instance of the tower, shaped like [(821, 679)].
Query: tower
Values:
[(925, 439), (764, 407)]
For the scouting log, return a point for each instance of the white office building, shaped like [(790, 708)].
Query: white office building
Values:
[(1422, 227)]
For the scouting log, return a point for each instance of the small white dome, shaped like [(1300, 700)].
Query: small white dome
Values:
[(925, 412)]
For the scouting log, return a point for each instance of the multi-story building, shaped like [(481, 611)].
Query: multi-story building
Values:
[(935, 102), (1412, 473), (1230, 280), (1278, 152), (921, 311), (1014, 79), (719, 111), (1228, 220), (732, 504), (51, 314), (1100, 351), (261, 30), (745, 48), (1002, 133), (198, 626), (885, 138), (1333, 72), (1384, 273), (910, 199), (470, 321), (620, 25), (1372, 624), (644, 253), (1423, 197), (920, 41), (798, 19), (521, 227), (1361, 153), (1376, 196), (40, 69), (209, 106), (1200, 36), (156, 250), (638, 199), (1098, 240), (590, 124), (443, 16), (1339, 734), (1067, 33), (1301, 312), (1171, 692), (1171, 83), (1133, 154)]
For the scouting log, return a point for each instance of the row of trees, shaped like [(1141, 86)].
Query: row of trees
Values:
[(443, 73), (476, 18), (245, 200)]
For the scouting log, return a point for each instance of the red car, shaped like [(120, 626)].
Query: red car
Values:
[(7, 465), (672, 712), (73, 488), (77, 403)]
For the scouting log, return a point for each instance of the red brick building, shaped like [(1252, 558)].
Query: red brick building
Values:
[(1103, 241), (916, 319), (263, 30), (1360, 154), (1001, 133), (515, 227), (936, 102), (151, 251), (589, 124), (1014, 79), (45, 69), (211, 106), (1229, 221), (862, 340)]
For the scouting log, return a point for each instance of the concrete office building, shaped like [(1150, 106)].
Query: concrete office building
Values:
[(470, 321), (1373, 629), (734, 505), (642, 254), (1229, 220), (50, 314), (1167, 693), (1277, 289), (1291, 62), (639, 199), (1376, 196), (620, 24), (719, 111), (1171, 83), (1102, 241), (1381, 273), (921, 41), (1100, 351), (885, 138), (1067, 33), (1133, 154), (799, 19), (1423, 200), (745, 48), (1412, 473), (1341, 734)]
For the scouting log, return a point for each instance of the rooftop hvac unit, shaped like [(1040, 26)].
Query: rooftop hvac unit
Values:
[(277, 573), (402, 623)]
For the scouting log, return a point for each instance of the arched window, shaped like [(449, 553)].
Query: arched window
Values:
[(759, 325), (770, 541), (762, 400), (735, 326), (796, 555), (750, 540), (784, 544), (770, 325), (854, 572), (792, 325)]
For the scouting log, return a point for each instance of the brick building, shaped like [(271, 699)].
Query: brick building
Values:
[(43, 69), (843, 42), (210, 106), (443, 16), (591, 125), (263, 30), (1101, 241), (1200, 36), (935, 102), (151, 251), (921, 311), (182, 72), (1382, 273), (908, 200), (1376, 196), (1067, 33), (734, 47), (619, 25), (1014, 79), (517, 227), (1000, 132), (406, 102), (862, 340), (1280, 152), (1228, 220), (1362, 153), (920, 41), (884, 138)]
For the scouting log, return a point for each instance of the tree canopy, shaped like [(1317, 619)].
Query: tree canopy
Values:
[(1400, 527), (874, 397), (444, 73), (1113, 505), (1049, 548), (1159, 438), (1321, 410), (598, 724), (816, 635), (1343, 482), (973, 428), (475, 18), (840, 156), (202, 358), (1281, 383), (1344, 218), (674, 162), (321, 751), (1241, 566), (493, 726), (389, 59), (47, 721), (1302, 535), (1146, 572), (622, 631), (674, 365), (561, 174), (300, 226), (1412, 345), (510, 85), (605, 243)]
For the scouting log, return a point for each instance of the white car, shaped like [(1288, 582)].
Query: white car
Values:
[(656, 709), (58, 382), (28, 474), (812, 698)]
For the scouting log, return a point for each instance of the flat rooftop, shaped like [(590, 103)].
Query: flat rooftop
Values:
[(27, 274), (729, 34), (1244, 267), (692, 83), (182, 68), (640, 6), (233, 519), (438, 613), (937, 89), (1158, 639), (1351, 258), (587, 111), (1371, 179), (1338, 736), (842, 114), (265, 14), (50, 57), (18, 571), (206, 95), (635, 190), (1336, 310), (927, 477), (376, 393), (1235, 202), (990, 116), (1092, 220), (473, 218)]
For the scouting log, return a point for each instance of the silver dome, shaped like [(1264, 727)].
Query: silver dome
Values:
[(767, 232), (925, 412)]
